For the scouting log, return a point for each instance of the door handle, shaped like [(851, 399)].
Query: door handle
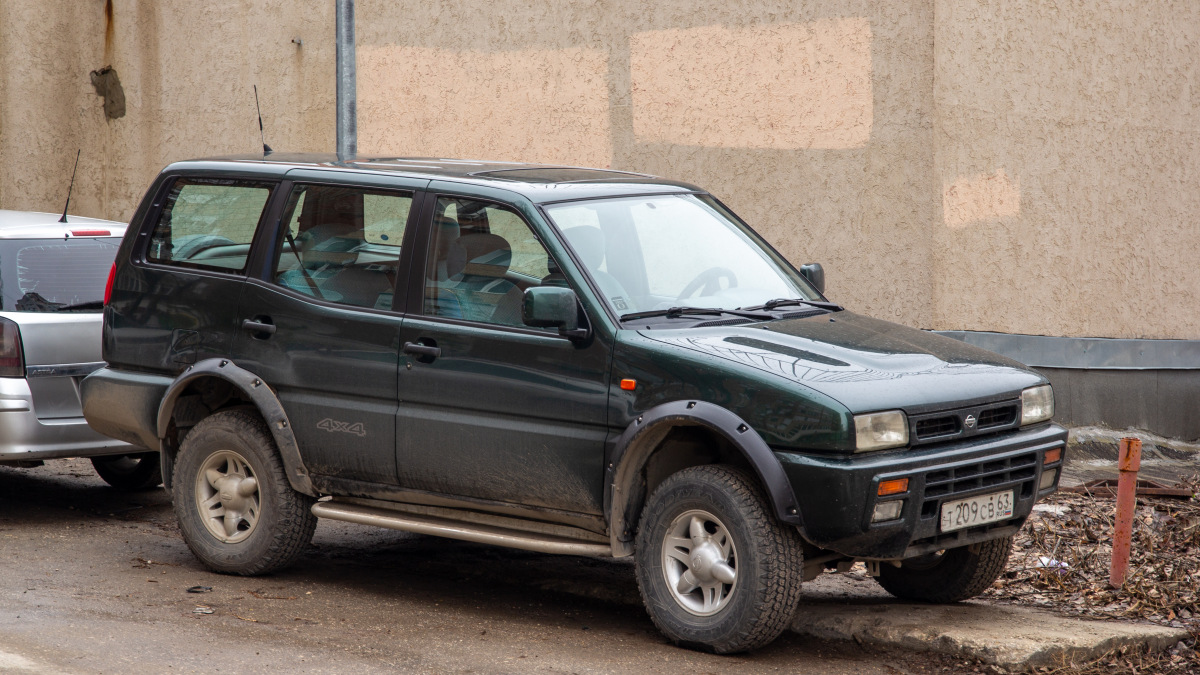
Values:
[(261, 329), (421, 350)]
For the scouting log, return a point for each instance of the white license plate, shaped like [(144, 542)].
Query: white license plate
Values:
[(979, 510)]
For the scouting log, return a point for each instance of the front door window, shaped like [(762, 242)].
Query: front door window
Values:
[(482, 257)]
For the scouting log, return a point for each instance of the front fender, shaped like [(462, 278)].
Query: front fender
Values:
[(261, 396), (637, 443)]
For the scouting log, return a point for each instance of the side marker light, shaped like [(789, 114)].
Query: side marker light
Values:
[(628, 384), (892, 487)]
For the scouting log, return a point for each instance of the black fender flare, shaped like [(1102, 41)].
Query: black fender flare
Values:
[(634, 446), (260, 395)]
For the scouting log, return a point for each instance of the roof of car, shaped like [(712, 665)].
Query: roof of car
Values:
[(38, 225), (540, 183)]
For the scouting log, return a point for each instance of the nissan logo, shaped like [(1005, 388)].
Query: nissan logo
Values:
[(970, 421)]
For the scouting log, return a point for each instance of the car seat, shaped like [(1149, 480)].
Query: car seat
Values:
[(589, 244)]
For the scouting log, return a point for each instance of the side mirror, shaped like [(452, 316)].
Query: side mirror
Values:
[(553, 307), (815, 275)]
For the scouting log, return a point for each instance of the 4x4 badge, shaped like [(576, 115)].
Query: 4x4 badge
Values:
[(970, 421), (332, 425)]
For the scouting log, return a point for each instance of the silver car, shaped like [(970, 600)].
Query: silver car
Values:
[(52, 288)]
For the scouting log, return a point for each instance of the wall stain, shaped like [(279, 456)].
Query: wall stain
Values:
[(108, 85)]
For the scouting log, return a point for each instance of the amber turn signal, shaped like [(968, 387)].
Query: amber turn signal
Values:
[(1052, 456), (628, 384), (893, 487)]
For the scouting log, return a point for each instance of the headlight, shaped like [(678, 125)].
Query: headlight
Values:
[(879, 431), (1037, 404)]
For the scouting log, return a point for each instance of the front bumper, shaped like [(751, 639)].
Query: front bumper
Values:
[(837, 494)]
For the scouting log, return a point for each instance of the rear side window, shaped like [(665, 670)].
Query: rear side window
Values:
[(209, 224), (55, 275), (342, 244)]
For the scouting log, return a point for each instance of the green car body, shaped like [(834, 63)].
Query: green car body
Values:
[(569, 422)]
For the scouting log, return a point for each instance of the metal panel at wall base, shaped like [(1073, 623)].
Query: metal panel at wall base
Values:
[(1164, 402)]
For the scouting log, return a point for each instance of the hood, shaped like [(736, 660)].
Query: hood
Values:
[(863, 363)]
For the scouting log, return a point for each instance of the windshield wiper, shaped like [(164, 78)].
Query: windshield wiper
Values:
[(783, 302), (676, 312), (34, 302), (91, 304)]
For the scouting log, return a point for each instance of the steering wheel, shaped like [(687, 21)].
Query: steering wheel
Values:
[(708, 282)]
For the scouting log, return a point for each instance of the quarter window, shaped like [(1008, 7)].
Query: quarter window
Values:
[(209, 224), (342, 244)]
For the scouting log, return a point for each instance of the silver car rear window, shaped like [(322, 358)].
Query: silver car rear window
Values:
[(55, 275)]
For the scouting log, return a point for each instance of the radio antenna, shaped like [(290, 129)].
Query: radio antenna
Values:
[(70, 187), (261, 136)]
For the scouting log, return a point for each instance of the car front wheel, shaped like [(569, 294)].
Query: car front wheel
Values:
[(947, 576), (716, 569), (236, 509)]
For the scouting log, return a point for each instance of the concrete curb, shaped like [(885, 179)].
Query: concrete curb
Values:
[(1013, 638)]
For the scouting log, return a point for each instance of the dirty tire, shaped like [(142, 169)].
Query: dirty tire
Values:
[(766, 555), (138, 471), (955, 575), (283, 522)]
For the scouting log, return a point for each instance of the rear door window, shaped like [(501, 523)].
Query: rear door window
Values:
[(209, 224), (342, 244)]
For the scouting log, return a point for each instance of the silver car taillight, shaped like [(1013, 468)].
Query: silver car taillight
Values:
[(12, 357)]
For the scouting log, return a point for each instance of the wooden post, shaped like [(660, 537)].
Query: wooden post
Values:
[(1128, 461)]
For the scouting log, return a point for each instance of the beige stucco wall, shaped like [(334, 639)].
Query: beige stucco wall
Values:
[(1018, 166), (186, 69), (1089, 114), (813, 122)]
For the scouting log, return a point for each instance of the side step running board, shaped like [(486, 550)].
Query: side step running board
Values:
[(453, 529)]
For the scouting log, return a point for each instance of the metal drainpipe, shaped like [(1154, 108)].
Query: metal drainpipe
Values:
[(347, 87)]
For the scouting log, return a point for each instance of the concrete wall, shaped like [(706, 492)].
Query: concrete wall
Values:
[(1017, 166)]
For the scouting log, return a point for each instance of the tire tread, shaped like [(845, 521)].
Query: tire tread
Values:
[(778, 593), (968, 575), (295, 523)]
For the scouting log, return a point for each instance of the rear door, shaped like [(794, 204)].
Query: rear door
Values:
[(177, 302), (321, 325)]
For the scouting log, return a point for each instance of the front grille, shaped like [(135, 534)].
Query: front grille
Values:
[(950, 482), (997, 417), (937, 426), (944, 425)]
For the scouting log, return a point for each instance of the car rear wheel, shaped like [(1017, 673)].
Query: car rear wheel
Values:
[(716, 569), (140, 471), (947, 576), (236, 509)]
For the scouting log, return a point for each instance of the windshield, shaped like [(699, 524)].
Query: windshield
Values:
[(654, 253), (55, 275)]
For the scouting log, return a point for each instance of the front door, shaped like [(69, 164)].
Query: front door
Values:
[(321, 329), (491, 408)]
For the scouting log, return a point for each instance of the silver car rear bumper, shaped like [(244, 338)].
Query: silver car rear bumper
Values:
[(25, 437)]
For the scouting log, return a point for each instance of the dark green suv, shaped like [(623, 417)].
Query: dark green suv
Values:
[(567, 360)]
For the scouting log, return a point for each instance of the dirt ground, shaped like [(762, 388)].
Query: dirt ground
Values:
[(1061, 561), (97, 581)]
